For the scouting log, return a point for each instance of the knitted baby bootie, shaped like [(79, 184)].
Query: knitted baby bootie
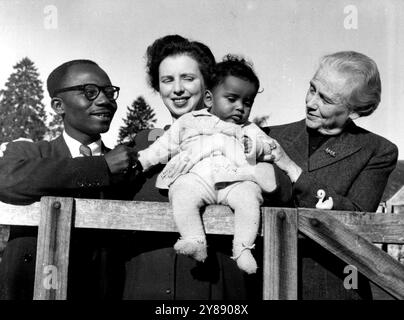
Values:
[(193, 247), (245, 260)]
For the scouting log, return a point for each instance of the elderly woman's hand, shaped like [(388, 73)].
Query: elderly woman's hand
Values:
[(276, 154)]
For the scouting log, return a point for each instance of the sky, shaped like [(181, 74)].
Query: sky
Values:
[(283, 39)]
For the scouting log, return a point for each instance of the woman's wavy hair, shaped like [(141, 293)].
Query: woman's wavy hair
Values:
[(363, 89), (172, 45)]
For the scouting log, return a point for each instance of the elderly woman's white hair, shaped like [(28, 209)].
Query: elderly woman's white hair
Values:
[(363, 86)]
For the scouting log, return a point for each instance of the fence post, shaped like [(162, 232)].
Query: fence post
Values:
[(280, 253), (52, 259)]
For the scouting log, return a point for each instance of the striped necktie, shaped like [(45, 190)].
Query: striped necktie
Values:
[(85, 151)]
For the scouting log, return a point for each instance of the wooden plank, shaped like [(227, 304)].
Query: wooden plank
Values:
[(52, 260), (147, 216), (375, 227), (133, 215), (20, 215), (218, 219), (280, 254), (355, 250), (121, 215)]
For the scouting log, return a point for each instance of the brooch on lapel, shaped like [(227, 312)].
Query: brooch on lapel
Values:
[(322, 202), (330, 152)]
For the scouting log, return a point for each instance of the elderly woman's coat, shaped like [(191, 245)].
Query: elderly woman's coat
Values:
[(353, 169)]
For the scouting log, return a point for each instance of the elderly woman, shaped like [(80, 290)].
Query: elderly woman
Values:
[(179, 70), (327, 151)]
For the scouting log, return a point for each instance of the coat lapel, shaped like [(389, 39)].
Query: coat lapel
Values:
[(335, 149), (295, 142)]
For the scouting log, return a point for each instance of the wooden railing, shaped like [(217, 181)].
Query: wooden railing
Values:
[(348, 235)]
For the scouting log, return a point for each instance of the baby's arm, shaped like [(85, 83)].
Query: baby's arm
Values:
[(256, 143), (163, 148)]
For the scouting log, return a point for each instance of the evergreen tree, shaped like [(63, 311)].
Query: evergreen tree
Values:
[(55, 127), (139, 116), (22, 113)]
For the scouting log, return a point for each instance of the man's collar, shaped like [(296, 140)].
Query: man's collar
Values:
[(74, 146)]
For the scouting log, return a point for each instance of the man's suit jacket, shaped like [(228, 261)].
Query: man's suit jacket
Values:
[(353, 169), (31, 170)]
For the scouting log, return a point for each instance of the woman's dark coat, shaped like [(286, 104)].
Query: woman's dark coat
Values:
[(353, 169)]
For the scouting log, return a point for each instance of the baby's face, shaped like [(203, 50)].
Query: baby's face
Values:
[(232, 99)]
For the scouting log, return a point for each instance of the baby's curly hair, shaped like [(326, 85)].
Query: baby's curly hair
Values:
[(236, 66), (172, 45)]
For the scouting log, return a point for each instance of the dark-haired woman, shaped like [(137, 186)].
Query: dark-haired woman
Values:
[(179, 70)]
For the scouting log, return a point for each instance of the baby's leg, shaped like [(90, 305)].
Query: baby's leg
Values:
[(262, 174), (187, 195), (245, 199)]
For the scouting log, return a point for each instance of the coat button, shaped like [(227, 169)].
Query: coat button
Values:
[(27, 257)]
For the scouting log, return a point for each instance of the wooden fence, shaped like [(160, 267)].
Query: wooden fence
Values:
[(348, 235)]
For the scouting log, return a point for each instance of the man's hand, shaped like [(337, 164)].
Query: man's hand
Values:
[(121, 159)]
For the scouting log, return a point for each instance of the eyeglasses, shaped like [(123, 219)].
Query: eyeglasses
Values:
[(91, 91)]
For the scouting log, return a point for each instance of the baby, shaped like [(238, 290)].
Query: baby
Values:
[(224, 170)]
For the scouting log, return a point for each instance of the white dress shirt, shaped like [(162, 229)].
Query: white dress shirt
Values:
[(74, 146)]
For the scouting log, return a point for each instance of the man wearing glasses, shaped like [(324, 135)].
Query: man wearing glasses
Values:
[(76, 164)]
